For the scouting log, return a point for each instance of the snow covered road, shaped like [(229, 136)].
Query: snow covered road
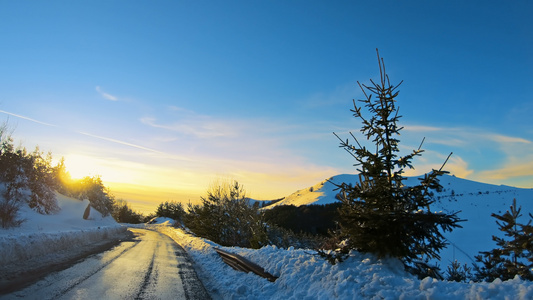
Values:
[(151, 266)]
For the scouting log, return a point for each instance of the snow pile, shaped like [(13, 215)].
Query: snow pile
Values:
[(40, 235), (304, 275), (162, 221)]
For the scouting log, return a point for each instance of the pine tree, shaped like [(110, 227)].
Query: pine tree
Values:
[(226, 217), (41, 183), (123, 213), (172, 209), (380, 214), (93, 189), (512, 257), (457, 272)]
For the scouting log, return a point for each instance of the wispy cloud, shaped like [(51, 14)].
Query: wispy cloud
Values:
[(430, 160), (187, 122), (517, 162), (200, 127), (341, 94), (106, 95), (507, 139), (485, 156), (253, 151), (459, 167), (463, 136), (511, 170), (422, 128)]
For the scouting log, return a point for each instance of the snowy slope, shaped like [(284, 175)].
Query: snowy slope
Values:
[(40, 235), (321, 193), (476, 201)]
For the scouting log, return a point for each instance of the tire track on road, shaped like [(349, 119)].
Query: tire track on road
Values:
[(147, 276), (94, 271)]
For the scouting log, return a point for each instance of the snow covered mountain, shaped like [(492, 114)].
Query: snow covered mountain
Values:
[(476, 201), (321, 193)]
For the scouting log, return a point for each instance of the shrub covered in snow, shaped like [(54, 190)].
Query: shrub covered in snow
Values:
[(226, 217), (26, 179)]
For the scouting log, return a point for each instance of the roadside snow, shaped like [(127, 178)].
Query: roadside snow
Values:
[(41, 235), (162, 221), (303, 275)]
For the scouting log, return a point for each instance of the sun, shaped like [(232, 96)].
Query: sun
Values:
[(110, 169), (80, 166)]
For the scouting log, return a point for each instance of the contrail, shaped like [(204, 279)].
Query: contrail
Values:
[(83, 133), (119, 142), (26, 118)]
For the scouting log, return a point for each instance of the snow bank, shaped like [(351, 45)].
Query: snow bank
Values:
[(303, 275), (27, 246), (40, 235), (162, 221)]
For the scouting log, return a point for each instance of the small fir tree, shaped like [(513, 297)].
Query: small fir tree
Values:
[(512, 257), (380, 214), (227, 217), (459, 273)]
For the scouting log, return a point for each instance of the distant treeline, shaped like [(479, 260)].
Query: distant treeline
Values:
[(310, 219)]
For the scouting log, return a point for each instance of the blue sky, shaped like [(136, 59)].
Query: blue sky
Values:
[(161, 98)]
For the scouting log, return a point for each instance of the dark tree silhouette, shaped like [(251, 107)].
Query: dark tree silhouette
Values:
[(172, 209)]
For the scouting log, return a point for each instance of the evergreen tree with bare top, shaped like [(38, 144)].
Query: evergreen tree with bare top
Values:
[(380, 214)]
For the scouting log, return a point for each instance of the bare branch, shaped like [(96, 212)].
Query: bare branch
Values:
[(356, 140), (419, 147), (445, 161)]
